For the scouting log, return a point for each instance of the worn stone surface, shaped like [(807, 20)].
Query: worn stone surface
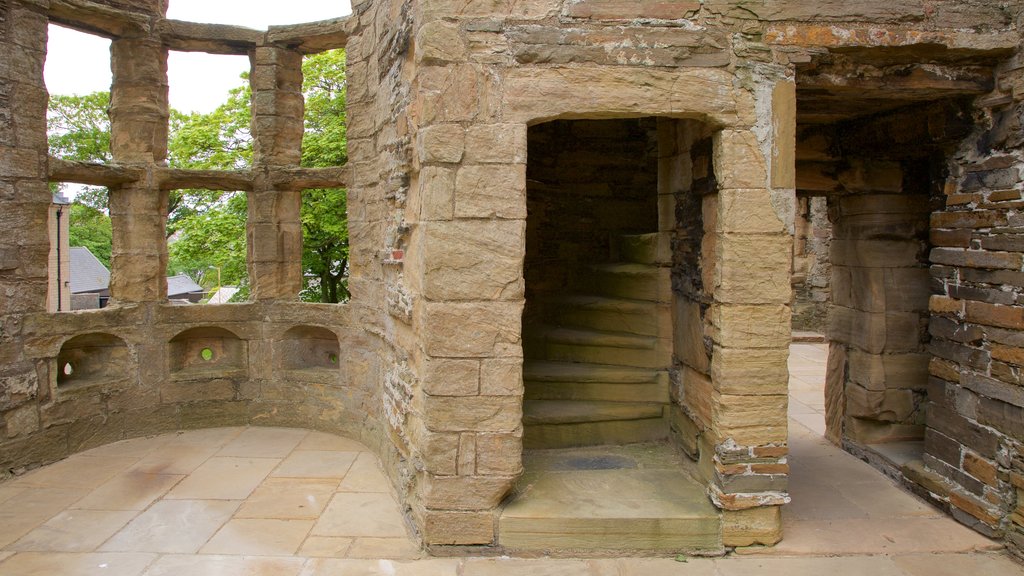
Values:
[(503, 154)]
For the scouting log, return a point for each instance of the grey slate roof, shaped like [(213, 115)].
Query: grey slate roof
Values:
[(180, 285), (88, 274)]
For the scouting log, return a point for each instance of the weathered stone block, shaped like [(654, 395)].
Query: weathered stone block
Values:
[(879, 372), (496, 144), (755, 526), (750, 371), (451, 377), (738, 160), (439, 42), (753, 269), (491, 191), (499, 454), (442, 143), (464, 492), (472, 413), (501, 377), (751, 325), (758, 211), (449, 528), (473, 260)]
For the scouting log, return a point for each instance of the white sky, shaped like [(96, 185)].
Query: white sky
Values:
[(78, 63)]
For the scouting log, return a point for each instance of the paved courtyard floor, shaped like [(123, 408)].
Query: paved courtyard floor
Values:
[(286, 502)]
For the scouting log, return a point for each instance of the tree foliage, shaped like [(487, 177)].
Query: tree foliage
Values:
[(324, 211), (206, 229)]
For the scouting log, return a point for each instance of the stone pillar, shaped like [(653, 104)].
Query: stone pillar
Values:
[(24, 245), (138, 211), (273, 228), (880, 289), (746, 445), (468, 211)]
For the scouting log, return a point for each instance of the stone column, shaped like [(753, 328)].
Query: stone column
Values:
[(746, 444), (138, 211), (880, 289), (24, 244), (274, 229)]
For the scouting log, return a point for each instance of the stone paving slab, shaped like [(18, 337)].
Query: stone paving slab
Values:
[(133, 508)]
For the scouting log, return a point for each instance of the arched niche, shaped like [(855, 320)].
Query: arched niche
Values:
[(308, 352), (207, 351), (94, 358)]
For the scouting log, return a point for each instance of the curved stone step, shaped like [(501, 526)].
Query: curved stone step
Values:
[(654, 248), (541, 371), (614, 314), (633, 281), (571, 412)]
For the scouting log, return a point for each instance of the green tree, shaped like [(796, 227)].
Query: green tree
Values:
[(325, 249)]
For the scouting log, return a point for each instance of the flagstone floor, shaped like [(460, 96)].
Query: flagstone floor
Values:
[(287, 502)]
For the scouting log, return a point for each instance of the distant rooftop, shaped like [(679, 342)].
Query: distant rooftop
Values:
[(88, 274)]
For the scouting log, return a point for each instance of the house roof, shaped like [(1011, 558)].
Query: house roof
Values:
[(180, 285), (88, 274), (223, 295)]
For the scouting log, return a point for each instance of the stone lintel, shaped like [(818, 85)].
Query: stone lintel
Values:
[(305, 178), (92, 174), (211, 38), (954, 43), (97, 18), (230, 180), (312, 37)]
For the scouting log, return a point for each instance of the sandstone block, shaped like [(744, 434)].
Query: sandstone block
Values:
[(750, 371), (449, 528), (499, 454), (738, 160), (442, 143), (501, 377), (451, 377), (835, 395), (450, 93), (472, 413), (757, 211), (879, 372), (783, 157), (753, 269), (755, 526), (464, 492), (433, 198), (439, 42), (491, 191), (496, 144), (751, 325), (884, 405), (473, 260)]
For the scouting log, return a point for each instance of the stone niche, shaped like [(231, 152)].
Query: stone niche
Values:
[(308, 353), (207, 352), (94, 358)]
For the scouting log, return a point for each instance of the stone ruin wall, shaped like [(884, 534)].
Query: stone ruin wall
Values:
[(136, 367), (430, 348)]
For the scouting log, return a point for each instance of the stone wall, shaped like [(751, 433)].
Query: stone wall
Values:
[(812, 269), (974, 442), (442, 95)]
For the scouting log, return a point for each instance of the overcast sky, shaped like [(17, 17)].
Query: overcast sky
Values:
[(78, 63)]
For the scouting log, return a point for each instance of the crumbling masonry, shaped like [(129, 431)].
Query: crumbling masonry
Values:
[(598, 198)]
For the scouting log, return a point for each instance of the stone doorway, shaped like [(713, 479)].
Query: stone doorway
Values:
[(602, 471), (879, 147)]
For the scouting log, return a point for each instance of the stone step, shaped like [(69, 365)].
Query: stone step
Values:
[(579, 381), (596, 347), (654, 248), (559, 412), (566, 423), (614, 314), (633, 281), (615, 498)]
